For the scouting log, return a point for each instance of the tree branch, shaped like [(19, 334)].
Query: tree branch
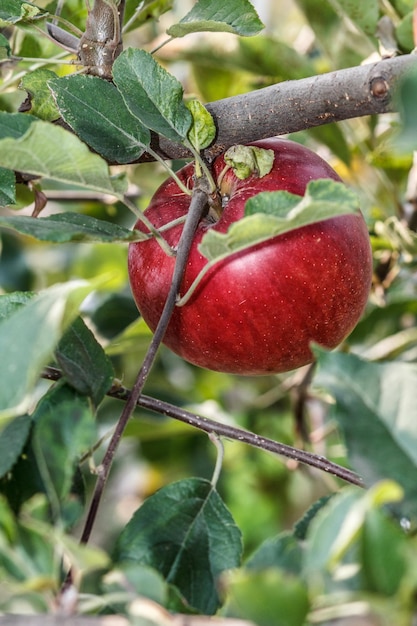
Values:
[(224, 430), (296, 105)]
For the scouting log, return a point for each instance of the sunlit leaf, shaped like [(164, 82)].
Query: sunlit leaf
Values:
[(273, 213), (326, 529), (96, 111), (153, 95), (10, 303), (267, 598), (52, 152), (341, 531), (376, 412), (29, 336), (234, 16), (384, 553), (13, 11), (203, 130), (41, 101)]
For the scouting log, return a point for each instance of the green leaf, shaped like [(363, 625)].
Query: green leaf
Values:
[(404, 33), (303, 524), (266, 56), (384, 548), (234, 16), (7, 521), (249, 161), (113, 313), (13, 11), (377, 414), (364, 14), (137, 14), (65, 227), (29, 336), (84, 362), (96, 111), (143, 580), (283, 552), (267, 598), (5, 50), (407, 94), (52, 152), (203, 130), (15, 124), (403, 6), (11, 125), (12, 441), (186, 533), (64, 429), (42, 104), (273, 213), (328, 529), (7, 187), (153, 95), (335, 537), (10, 303)]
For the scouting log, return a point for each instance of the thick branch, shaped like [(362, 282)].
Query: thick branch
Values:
[(296, 105)]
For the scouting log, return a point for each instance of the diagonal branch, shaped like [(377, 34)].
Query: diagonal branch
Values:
[(224, 430)]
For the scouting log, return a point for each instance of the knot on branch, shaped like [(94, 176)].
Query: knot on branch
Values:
[(379, 87)]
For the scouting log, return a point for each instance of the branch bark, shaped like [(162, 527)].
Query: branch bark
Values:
[(224, 430), (296, 105)]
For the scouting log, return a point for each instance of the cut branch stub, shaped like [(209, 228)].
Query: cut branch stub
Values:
[(102, 42)]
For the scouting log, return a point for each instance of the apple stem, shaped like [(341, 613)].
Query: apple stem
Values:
[(220, 177), (197, 208)]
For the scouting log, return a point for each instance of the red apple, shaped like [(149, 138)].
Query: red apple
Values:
[(257, 311)]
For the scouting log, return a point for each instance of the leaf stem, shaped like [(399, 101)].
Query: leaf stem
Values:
[(153, 231), (197, 207), (215, 439), (173, 175), (162, 44)]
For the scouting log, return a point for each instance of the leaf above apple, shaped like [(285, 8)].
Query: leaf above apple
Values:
[(273, 213)]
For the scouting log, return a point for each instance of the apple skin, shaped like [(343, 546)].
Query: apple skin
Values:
[(257, 311)]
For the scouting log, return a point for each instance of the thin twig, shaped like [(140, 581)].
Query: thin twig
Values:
[(197, 207), (229, 432)]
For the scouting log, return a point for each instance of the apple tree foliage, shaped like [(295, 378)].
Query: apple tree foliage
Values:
[(271, 539)]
